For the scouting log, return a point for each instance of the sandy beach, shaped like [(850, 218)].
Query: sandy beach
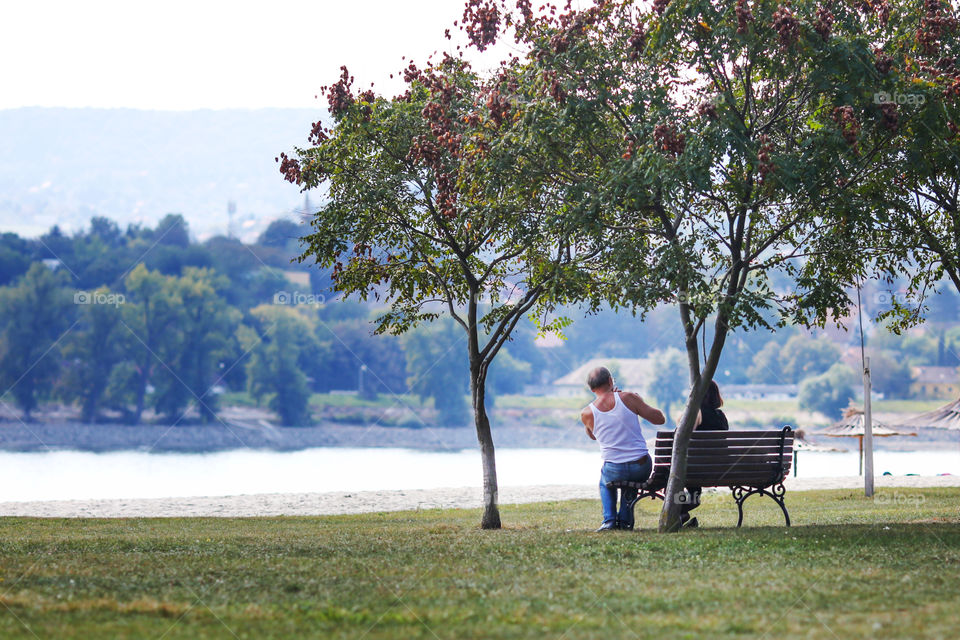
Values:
[(335, 503)]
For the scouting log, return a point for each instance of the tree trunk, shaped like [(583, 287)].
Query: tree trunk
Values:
[(676, 483), (491, 509)]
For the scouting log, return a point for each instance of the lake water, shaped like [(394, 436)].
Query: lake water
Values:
[(68, 475)]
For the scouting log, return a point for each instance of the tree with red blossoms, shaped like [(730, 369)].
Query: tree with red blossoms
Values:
[(439, 204), (728, 140)]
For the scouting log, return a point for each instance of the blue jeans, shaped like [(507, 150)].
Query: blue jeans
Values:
[(612, 472)]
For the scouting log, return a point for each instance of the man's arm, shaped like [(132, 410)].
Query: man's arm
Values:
[(586, 417), (636, 404)]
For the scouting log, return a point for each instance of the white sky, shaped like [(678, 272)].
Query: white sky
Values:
[(209, 53)]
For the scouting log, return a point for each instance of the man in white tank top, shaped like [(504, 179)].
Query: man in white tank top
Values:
[(613, 420)]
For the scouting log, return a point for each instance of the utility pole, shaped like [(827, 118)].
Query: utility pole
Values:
[(867, 432)]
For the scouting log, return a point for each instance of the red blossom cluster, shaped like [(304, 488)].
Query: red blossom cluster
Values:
[(499, 107), (339, 96), (660, 6), (526, 10), (411, 73), (669, 140), (707, 110), (883, 62), (557, 92), (953, 90), (787, 26), (824, 22), (947, 63), (560, 42), (890, 119), (636, 41), (317, 133), (744, 16), (290, 168), (880, 8), (849, 127), (935, 21), (765, 164), (481, 20), (631, 145)]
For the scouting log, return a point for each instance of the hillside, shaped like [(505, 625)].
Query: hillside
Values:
[(62, 166)]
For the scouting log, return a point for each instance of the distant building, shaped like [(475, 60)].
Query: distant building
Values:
[(631, 374), (940, 383)]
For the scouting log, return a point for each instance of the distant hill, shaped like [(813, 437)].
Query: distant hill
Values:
[(62, 166)]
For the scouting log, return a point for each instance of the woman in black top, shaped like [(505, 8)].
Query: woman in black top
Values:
[(711, 418)]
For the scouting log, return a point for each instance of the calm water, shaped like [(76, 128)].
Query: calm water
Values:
[(65, 475)]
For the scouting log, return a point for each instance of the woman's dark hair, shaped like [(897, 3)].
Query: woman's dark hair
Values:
[(712, 399)]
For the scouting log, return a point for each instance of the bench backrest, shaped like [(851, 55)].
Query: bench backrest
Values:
[(730, 458)]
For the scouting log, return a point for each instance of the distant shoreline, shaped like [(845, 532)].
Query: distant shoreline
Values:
[(103, 438)]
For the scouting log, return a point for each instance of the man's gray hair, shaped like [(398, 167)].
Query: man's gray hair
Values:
[(597, 378)]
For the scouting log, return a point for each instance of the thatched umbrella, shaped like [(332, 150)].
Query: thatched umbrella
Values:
[(852, 426), (946, 417)]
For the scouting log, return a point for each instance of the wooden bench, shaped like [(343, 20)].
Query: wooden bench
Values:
[(748, 462)]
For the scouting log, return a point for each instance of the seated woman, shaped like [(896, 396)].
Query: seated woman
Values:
[(709, 418)]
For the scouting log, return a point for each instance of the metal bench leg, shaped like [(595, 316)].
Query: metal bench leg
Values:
[(777, 492)]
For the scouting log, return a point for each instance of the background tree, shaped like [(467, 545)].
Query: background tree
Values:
[(149, 319), (828, 392), (15, 257), (280, 348), (437, 204), (196, 342), (802, 357), (437, 369), (34, 316), (508, 375), (670, 382), (890, 375), (92, 350)]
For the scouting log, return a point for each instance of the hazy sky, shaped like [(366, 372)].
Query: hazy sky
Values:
[(208, 53)]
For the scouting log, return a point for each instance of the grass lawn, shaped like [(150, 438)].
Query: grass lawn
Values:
[(849, 567)]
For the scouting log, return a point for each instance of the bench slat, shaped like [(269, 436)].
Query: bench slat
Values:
[(726, 457), (748, 480), (728, 467), (718, 446), (733, 442), (732, 434)]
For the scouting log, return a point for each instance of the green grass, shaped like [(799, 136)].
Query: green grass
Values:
[(849, 567), (909, 407)]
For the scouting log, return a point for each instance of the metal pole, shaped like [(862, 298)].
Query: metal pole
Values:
[(867, 432)]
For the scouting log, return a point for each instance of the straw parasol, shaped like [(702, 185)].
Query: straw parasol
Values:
[(946, 417), (852, 426)]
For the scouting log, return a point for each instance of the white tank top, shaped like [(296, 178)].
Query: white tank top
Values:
[(618, 433)]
